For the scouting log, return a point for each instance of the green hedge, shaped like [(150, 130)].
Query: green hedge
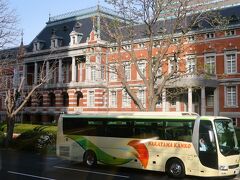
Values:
[(21, 128)]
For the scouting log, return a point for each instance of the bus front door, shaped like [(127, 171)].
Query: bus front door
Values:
[(207, 145)]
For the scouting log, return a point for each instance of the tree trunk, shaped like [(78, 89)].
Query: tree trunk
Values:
[(10, 127)]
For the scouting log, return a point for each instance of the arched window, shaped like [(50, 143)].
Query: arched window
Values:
[(79, 96), (65, 99), (40, 103), (39, 99), (52, 99)]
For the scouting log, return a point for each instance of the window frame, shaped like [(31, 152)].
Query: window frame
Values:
[(206, 56), (142, 97), (126, 99), (189, 62), (142, 69), (112, 74), (91, 98), (226, 101), (226, 54), (112, 102)]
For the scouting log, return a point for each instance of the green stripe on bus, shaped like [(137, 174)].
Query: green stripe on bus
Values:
[(102, 156)]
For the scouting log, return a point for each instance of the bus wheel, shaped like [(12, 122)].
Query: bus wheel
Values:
[(89, 159), (175, 168)]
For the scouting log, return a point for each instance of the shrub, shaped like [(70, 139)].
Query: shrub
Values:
[(35, 140)]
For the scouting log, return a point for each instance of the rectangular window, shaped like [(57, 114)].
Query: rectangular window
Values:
[(210, 64), (171, 63), (210, 100), (113, 99), (102, 72), (126, 100), (191, 64), (141, 97), (91, 98), (230, 63), (159, 102), (231, 96), (127, 71), (142, 68), (93, 73), (113, 73)]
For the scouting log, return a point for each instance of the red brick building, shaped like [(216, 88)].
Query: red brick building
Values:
[(82, 80)]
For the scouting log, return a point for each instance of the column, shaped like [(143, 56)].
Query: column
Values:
[(73, 69), (24, 74), (47, 71), (81, 72), (60, 71), (35, 73), (190, 99), (164, 100), (178, 105), (203, 101), (216, 102)]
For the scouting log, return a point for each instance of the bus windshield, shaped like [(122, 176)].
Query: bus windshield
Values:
[(226, 137)]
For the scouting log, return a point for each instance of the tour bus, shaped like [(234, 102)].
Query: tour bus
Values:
[(176, 143)]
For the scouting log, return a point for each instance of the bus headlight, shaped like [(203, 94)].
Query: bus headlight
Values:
[(223, 167)]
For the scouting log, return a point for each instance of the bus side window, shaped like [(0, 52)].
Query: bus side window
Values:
[(178, 130), (119, 129), (74, 126)]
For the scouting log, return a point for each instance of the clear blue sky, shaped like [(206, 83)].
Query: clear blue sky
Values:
[(33, 14)]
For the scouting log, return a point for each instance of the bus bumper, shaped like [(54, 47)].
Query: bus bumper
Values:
[(229, 172)]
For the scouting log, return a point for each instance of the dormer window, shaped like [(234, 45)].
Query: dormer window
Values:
[(230, 32), (141, 45), (210, 35), (74, 40), (56, 41), (127, 47), (175, 40), (75, 37), (191, 38), (38, 45)]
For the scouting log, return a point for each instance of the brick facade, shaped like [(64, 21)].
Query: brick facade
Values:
[(83, 83)]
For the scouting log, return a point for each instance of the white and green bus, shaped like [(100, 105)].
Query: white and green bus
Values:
[(176, 143)]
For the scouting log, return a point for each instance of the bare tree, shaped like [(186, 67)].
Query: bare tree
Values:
[(17, 95), (8, 25), (162, 27)]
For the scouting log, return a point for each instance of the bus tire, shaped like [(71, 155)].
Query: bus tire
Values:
[(175, 168), (90, 159)]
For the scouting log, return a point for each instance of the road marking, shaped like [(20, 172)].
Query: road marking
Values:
[(101, 173), (29, 175)]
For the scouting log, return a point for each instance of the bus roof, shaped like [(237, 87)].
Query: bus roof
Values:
[(135, 115)]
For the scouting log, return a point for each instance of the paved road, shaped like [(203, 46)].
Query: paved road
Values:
[(24, 166)]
